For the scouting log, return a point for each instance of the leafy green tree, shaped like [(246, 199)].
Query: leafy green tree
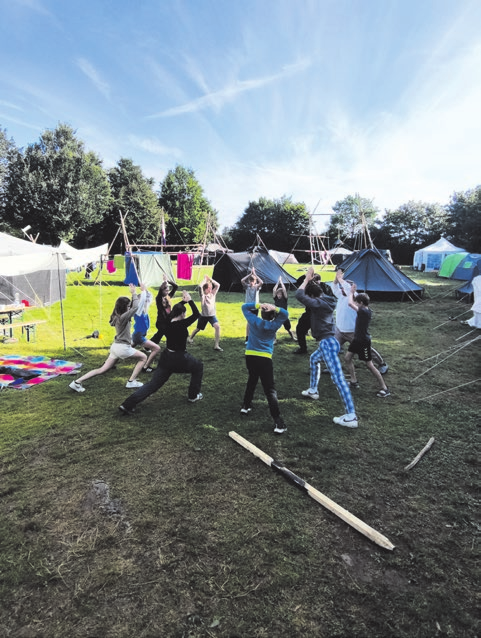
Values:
[(186, 207), (465, 216), (134, 197), (55, 186), (280, 223), (353, 216), (410, 227)]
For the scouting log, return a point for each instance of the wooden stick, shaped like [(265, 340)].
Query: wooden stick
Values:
[(326, 502), (420, 455)]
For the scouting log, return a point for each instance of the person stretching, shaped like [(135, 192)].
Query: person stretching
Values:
[(121, 348), (346, 318), (208, 291), (252, 285), (259, 349), (322, 306), (280, 301), (141, 327), (174, 359), (361, 343), (163, 302)]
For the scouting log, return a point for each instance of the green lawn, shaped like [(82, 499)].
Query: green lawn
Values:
[(162, 525)]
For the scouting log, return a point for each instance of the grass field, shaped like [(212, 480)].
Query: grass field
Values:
[(161, 525)]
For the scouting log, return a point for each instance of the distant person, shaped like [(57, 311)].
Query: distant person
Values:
[(174, 359), (259, 349), (163, 302), (121, 348), (304, 322), (361, 344), (281, 301), (141, 328), (252, 285), (322, 306), (346, 318), (208, 291)]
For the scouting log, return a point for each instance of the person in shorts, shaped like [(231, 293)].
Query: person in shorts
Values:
[(346, 318), (208, 291), (141, 328), (361, 343), (121, 348)]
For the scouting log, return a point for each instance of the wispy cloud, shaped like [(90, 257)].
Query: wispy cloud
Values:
[(9, 105), (151, 145), (93, 75), (217, 99), (14, 120)]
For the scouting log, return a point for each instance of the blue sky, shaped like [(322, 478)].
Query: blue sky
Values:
[(313, 99)]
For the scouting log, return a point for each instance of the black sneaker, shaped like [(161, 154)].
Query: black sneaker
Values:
[(299, 351), (126, 411)]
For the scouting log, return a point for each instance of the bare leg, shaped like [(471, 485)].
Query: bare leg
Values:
[(349, 359), (154, 351), (110, 362), (216, 335), (139, 365), (377, 375), (191, 338)]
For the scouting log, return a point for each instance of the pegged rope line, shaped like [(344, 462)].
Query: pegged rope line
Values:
[(448, 390)]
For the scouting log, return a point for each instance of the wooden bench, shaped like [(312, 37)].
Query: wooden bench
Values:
[(26, 326)]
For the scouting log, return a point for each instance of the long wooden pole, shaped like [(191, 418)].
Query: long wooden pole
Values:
[(326, 502)]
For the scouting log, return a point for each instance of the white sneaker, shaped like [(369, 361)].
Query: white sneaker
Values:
[(189, 340), (134, 384), (199, 397), (346, 420), (311, 394), (78, 387)]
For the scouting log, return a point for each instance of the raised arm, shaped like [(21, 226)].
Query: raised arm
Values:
[(352, 303)]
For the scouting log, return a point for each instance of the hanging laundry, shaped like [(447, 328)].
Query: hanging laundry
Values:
[(184, 265)]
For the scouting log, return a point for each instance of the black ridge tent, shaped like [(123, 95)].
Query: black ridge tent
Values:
[(374, 274), (232, 267)]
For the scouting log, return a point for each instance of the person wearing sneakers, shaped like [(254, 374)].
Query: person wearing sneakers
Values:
[(121, 348), (322, 305), (346, 318), (141, 327), (174, 359), (208, 291), (361, 343), (259, 349)]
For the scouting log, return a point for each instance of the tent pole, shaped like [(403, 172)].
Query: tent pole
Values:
[(61, 303)]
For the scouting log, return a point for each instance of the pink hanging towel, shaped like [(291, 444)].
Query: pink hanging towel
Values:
[(184, 265), (111, 267)]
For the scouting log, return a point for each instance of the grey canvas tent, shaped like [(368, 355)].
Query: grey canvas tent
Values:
[(374, 274), (34, 272), (232, 267)]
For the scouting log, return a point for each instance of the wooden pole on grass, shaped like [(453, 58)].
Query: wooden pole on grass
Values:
[(333, 507), (420, 455)]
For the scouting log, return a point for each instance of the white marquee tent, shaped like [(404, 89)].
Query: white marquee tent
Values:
[(431, 257)]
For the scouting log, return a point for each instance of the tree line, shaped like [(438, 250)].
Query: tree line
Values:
[(63, 192)]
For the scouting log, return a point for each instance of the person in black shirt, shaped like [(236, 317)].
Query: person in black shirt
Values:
[(361, 343), (174, 359), (163, 302)]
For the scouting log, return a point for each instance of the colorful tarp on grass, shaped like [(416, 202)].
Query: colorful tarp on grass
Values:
[(24, 372)]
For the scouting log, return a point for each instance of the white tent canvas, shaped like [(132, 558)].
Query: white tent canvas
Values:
[(10, 246), (431, 257), (75, 258)]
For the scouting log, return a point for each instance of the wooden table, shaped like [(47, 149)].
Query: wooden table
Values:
[(7, 316)]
